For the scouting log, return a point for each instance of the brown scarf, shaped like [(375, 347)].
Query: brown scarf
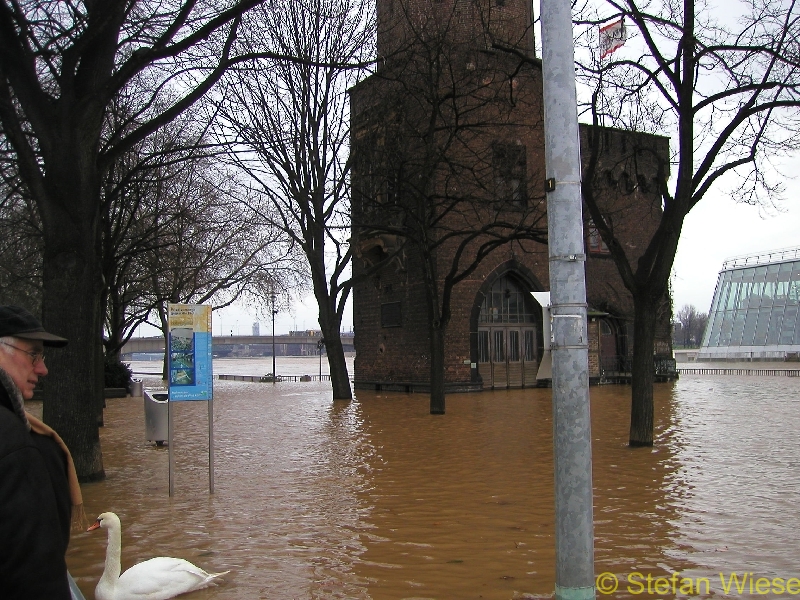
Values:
[(78, 515)]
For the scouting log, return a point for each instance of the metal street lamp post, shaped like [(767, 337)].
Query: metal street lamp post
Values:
[(274, 312), (320, 346)]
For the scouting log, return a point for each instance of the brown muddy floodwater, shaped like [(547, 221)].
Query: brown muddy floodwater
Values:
[(378, 499)]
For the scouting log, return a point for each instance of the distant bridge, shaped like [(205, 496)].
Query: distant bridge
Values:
[(242, 345)]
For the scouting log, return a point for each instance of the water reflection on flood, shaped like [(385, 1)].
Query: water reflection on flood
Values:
[(378, 499)]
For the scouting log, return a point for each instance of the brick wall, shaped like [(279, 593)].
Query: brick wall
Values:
[(380, 116), (479, 22)]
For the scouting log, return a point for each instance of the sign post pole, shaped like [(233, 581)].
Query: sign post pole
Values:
[(170, 421), (190, 371), (211, 446)]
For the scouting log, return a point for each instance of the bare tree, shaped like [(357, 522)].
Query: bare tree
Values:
[(216, 250), (700, 328), (20, 239), (61, 64), (726, 93), (687, 317), (177, 229), (693, 324), (291, 122), (139, 193), (441, 175)]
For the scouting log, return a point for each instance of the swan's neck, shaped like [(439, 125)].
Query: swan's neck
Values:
[(113, 553)]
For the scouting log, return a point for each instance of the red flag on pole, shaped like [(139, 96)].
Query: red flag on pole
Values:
[(612, 36)]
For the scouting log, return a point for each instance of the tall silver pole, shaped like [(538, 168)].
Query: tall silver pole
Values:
[(274, 374), (211, 446), (171, 454), (211, 416), (570, 348)]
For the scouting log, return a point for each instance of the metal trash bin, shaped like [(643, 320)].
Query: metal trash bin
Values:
[(156, 416), (136, 388)]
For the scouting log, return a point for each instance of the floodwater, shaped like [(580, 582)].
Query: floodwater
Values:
[(377, 499)]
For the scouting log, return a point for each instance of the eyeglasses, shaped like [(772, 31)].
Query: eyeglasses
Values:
[(37, 356)]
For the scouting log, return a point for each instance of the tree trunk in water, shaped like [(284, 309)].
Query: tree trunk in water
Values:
[(437, 370), (71, 309), (643, 372), (68, 200), (101, 381), (329, 321), (340, 379)]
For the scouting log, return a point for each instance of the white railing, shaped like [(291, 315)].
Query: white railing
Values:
[(761, 258)]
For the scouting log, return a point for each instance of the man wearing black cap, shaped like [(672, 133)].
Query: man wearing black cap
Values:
[(36, 474)]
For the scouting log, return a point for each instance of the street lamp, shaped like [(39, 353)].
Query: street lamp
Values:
[(320, 346), (274, 312)]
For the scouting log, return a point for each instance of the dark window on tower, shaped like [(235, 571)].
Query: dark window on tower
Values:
[(509, 166), (391, 314), (394, 179), (364, 175), (594, 241)]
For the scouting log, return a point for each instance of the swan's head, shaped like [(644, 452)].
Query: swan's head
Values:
[(107, 520)]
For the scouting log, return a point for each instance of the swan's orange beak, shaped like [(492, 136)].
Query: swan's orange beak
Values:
[(95, 526)]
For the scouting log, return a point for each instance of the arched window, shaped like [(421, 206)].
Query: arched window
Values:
[(507, 302)]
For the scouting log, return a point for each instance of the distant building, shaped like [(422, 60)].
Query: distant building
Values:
[(754, 313), (256, 328), (307, 332)]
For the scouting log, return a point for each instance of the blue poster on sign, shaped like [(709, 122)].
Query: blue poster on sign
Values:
[(189, 355)]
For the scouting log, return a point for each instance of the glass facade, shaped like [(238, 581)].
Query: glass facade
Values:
[(755, 308)]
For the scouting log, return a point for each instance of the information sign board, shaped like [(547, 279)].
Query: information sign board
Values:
[(189, 352)]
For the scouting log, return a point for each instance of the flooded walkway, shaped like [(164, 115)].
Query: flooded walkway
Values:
[(378, 499)]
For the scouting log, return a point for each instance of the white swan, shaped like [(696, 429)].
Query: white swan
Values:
[(155, 579)]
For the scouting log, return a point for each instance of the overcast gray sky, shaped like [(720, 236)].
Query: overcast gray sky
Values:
[(715, 230), (718, 229)]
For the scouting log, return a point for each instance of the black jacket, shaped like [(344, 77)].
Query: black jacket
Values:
[(34, 511)]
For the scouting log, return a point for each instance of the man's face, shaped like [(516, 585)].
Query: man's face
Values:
[(20, 366)]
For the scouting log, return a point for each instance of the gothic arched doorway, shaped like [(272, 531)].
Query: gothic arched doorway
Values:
[(509, 336)]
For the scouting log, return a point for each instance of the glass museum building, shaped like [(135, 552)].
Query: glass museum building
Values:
[(754, 313)]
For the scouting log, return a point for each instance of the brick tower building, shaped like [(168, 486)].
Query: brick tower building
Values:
[(449, 209)]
